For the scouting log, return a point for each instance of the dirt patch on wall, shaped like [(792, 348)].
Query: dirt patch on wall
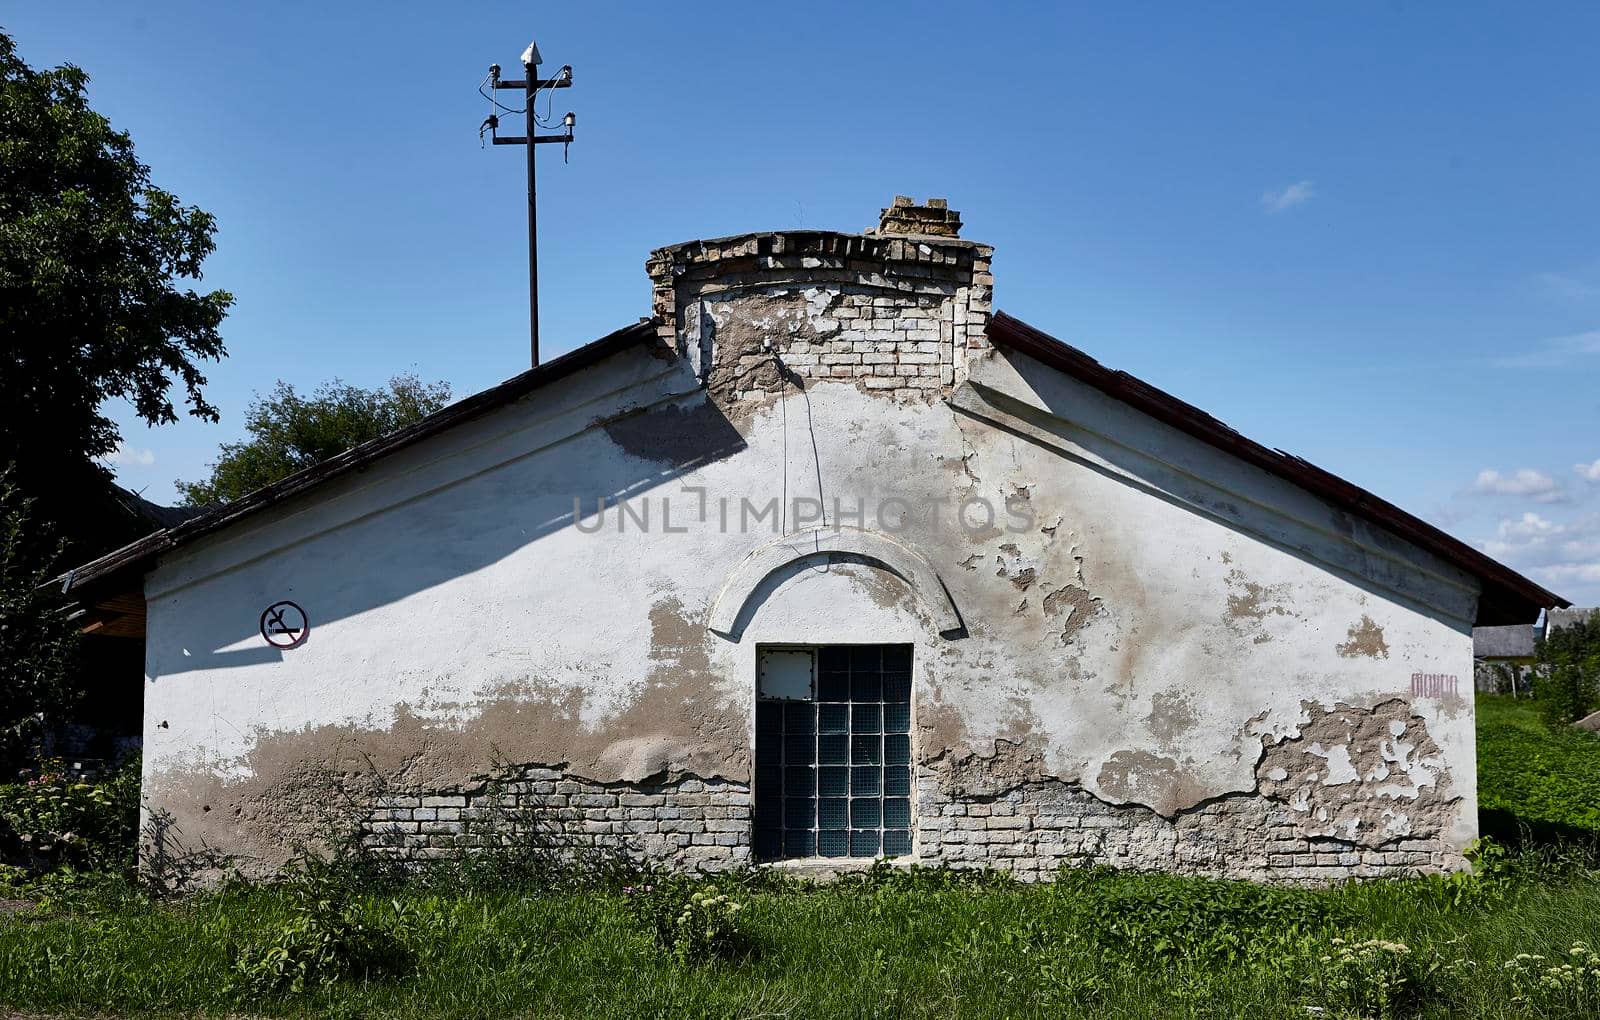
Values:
[(1364, 775), (886, 589), (1249, 605), (966, 773), (292, 783), (1171, 715), (939, 726), (1364, 638), (1159, 783)]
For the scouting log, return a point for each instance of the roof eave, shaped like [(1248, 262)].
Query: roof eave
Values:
[(121, 567)]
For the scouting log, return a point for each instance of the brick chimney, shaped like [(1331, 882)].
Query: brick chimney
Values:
[(906, 217), (894, 311)]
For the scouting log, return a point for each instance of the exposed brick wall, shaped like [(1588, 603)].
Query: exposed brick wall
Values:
[(698, 825), (1035, 828), (688, 824), (895, 313), (900, 345)]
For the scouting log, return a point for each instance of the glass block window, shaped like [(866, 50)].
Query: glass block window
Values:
[(833, 772)]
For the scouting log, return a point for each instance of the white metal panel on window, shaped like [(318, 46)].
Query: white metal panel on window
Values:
[(787, 674)]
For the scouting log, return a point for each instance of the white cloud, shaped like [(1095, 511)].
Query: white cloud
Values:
[(1570, 573), (130, 456), (1554, 351), (1555, 553), (1524, 482), (1298, 193), (1529, 526), (1588, 472), (1578, 284)]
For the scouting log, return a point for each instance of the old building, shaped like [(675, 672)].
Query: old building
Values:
[(824, 560), (1560, 619), (1502, 657)]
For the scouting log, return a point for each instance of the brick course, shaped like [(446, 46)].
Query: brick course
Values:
[(695, 825), (687, 824)]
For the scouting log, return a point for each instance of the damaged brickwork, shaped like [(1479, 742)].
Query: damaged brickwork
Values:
[(895, 312), (1367, 776), (685, 823), (1353, 793), (969, 813), (1032, 829)]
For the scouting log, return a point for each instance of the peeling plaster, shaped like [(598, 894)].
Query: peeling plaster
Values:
[(1376, 773), (1157, 782), (1365, 638), (1076, 603), (282, 788), (1172, 715), (970, 774), (1249, 605)]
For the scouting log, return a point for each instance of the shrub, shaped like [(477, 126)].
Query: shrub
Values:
[(883, 876), (509, 844), (695, 924), (1566, 987), (1567, 686), (54, 820), (1565, 691), (1374, 979), (325, 938), (38, 643)]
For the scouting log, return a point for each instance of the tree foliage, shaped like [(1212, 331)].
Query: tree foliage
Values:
[(289, 433), (91, 253), (1567, 685), (38, 645)]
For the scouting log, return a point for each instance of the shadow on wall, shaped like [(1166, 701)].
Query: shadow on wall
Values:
[(463, 526), (1073, 421)]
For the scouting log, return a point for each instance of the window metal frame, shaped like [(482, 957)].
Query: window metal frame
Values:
[(872, 720)]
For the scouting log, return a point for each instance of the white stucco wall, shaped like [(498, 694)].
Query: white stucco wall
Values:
[(1180, 606)]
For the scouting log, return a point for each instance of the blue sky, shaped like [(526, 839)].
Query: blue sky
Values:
[(1364, 234)]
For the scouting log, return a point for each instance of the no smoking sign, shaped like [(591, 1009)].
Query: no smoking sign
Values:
[(284, 625)]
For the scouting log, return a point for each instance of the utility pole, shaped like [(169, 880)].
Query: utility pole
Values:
[(530, 85)]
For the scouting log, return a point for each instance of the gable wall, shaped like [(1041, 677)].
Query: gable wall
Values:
[(1170, 659)]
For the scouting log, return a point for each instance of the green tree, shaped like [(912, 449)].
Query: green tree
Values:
[(289, 433), (38, 645), (1567, 683), (91, 253)]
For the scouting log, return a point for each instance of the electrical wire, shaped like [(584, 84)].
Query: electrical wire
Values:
[(783, 401), (497, 103), (549, 108)]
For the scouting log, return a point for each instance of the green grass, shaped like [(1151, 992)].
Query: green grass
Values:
[(1100, 946), (1535, 775)]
